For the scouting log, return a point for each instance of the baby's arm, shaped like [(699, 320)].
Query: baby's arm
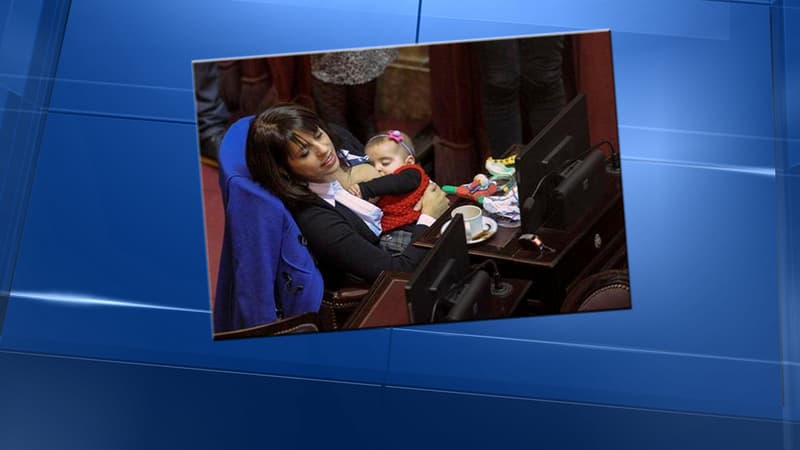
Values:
[(358, 174), (350, 177), (395, 184)]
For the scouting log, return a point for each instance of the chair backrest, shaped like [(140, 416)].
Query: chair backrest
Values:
[(265, 273), (605, 290)]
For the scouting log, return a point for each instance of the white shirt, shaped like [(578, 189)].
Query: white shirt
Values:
[(366, 211), (333, 192)]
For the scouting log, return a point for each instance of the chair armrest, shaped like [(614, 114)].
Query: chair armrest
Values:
[(301, 323), (337, 306), (347, 294)]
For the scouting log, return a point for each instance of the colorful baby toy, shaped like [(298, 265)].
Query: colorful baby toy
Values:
[(479, 188)]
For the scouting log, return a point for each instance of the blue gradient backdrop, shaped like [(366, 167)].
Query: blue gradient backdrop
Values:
[(106, 341)]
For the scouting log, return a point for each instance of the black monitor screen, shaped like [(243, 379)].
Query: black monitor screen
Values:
[(443, 267), (562, 140)]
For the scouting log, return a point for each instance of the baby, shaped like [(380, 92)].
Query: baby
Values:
[(400, 185)]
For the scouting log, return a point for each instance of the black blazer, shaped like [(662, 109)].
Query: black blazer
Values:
[(344, 246)]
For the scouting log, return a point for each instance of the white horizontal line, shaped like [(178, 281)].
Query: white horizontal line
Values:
[(87, 300), (605, 347), (752, 170)]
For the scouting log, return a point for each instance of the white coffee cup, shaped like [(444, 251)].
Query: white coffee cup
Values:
[(473, 219)]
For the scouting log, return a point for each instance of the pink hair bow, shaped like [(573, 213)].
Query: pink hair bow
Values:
[(395, 136)]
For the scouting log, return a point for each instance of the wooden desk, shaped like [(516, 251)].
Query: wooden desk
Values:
[(385, 304), (595, 242)]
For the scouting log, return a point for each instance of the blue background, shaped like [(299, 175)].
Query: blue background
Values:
[(106, 341)]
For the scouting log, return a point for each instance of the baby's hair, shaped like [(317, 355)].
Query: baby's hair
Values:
[(395, 136)]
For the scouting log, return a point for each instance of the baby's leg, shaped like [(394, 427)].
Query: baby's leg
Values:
[(396, 241)]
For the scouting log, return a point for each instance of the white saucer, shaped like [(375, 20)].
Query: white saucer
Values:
[(489, 225)]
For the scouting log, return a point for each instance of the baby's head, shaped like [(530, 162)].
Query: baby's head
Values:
[(390, 150)]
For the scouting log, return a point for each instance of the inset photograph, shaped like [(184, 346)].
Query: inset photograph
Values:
[(428, 184)]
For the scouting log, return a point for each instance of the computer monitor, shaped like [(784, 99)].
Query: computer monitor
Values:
[(540, 163), (443, 287)]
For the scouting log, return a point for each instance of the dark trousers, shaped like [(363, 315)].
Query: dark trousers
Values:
[(212, 116), (350, 106), (520, 77)]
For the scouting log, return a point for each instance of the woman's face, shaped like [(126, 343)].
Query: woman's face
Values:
[(314, 161)]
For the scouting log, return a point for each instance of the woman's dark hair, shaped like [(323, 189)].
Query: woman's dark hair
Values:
[(267, 150)]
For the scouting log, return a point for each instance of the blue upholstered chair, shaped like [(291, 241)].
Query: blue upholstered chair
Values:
[(266, 274)]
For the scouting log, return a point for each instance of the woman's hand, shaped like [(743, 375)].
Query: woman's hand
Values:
[(434, 201)]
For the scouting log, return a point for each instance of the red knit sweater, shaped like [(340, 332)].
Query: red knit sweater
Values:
[(398, 210)]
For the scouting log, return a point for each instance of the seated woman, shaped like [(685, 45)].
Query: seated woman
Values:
[(290, 152)]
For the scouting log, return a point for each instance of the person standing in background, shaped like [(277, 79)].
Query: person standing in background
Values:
[(344, 87), (212, 115), (520, 77)]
